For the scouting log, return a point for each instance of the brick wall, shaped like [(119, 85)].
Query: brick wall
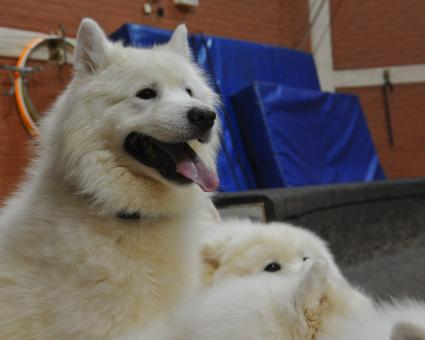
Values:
[(372, 33), (279, 22), (15, 149), (383, 33), (407, 102), (13, 146), (273, 21)]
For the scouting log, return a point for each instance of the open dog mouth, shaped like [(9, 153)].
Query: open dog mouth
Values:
[(177, 162)]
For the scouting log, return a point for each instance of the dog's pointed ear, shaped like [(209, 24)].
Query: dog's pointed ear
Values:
[(178, 41), (91, 48), (312, 289)]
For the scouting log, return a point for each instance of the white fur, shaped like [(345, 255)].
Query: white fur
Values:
[(69, 268), (407, 330), (308, 305), (374, 321), (242, 248)]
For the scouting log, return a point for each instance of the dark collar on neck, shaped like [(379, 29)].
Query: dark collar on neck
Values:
[(128, 215)]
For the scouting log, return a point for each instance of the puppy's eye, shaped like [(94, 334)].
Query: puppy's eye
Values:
[(305, 258), (272, 267), (189, 92), (146, 94)]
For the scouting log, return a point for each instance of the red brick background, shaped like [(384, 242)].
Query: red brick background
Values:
[(407, 102), (272, 21), (378, 34), (13, 141), (372, 33)]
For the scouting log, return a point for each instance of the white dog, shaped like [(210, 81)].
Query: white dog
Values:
[(243, 248), (308, 305), (102, 235)]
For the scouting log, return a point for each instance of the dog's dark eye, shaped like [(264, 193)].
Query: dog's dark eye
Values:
[(272, 267), (146, 94), (189, 92), (305, 258)]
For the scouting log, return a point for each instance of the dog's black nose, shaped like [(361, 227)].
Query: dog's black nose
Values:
[(201, 118)]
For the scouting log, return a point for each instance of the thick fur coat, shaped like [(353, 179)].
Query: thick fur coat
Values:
[(70, 268), (311, 304)]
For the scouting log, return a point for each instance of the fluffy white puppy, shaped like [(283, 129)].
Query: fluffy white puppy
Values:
[(243, 248), (308, 305)]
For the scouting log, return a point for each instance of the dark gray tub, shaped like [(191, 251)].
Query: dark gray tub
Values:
[(376, 230)]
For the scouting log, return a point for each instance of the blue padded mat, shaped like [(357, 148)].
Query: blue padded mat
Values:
[(300, 137)]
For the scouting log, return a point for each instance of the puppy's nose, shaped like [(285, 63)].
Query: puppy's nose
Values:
[(201, 118)]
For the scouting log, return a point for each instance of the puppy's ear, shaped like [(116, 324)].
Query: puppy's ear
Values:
[(407, 331), (312, 289), (91, 49), (178, 41), (215, 248)]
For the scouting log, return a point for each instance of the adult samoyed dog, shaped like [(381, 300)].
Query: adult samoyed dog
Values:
[(102, 235)]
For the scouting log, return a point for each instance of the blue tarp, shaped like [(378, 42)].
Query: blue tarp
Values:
[(300, 137), (141, 36), (234, 65)]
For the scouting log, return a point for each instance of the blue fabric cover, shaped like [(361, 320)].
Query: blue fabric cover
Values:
[(140, 36), (301, 137), (233, 65)]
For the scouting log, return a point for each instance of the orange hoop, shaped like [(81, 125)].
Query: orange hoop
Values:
[(23, 111)]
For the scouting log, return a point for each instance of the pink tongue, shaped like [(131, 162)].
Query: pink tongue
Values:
[(191, 166)]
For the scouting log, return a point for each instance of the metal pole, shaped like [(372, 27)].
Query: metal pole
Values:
[(386, 88)]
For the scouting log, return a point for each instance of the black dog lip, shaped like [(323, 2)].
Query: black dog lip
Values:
[(137, 138), (135, 145)]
